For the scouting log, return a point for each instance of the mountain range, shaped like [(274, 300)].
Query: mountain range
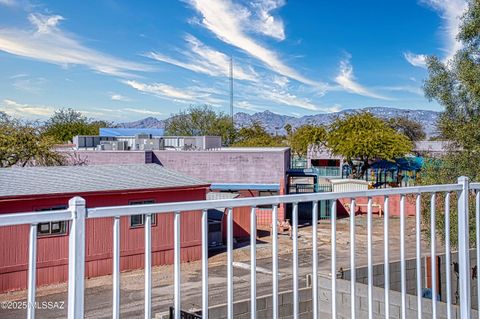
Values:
[(274, 123)]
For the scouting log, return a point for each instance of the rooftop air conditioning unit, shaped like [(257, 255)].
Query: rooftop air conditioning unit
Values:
[(143, 136)]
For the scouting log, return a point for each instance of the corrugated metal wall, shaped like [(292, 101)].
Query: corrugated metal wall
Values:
[(52, 251)]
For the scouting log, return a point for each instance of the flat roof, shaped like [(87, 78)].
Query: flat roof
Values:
[(236, 149), (254, 149), (24, 181), (221, 195), (244, 186), (432, 146)]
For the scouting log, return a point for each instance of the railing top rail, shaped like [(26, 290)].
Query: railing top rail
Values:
[(257, 201), (475, 186), (65, 214), (34, 217)]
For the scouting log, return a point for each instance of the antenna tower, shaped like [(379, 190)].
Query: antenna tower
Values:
[(231, 88)]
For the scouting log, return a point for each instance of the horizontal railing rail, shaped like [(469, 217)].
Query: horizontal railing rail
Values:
[(77, 214), (101, 212), (34, 217), (474, 186)]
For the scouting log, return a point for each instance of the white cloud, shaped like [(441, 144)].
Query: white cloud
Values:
[(142, 111), (265, 22), (245, 105), (45, 24), (119, 97), (189, 94), (161, 89), (403, 88), (451, 12), (347, 81), (334, 109), (286, 98), (230, 23), (419, 60), (267, 95), (48, 43), (8, 3), (281, 81), (30, 111), (26, 83), (16, 109), (203, 59)]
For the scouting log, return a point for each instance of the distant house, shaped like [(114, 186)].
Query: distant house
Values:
[(432, 148), (325, 163), (50, 188)]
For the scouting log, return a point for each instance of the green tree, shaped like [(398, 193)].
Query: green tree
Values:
[(446, 171), (255, 135), (22, 144), (455, 84), (365, 138), (201, 120), (306, 135), (66, 123), (410, 128), (289, 129)]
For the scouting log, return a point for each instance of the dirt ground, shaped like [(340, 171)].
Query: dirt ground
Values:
[(98, 295)]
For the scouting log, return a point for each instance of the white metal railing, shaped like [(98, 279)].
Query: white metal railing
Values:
[(77, 213)]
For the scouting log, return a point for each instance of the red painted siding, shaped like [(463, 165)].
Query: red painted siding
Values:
[(52, 253)]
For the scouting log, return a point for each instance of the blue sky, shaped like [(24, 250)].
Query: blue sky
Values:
[(125, 60)]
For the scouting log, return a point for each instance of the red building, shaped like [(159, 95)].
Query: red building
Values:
[(50, 188)]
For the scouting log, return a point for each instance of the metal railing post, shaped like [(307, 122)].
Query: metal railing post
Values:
[(463, 247), (32, 271), (76, 258)]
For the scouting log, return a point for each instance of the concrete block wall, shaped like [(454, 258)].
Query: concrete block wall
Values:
[(473, 281), (252, 166), (411, 277), (395, 275), (229, 166), (242, 309), (110, 157)]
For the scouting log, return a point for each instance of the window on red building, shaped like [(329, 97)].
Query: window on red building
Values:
[(52, 228), (139, 220)]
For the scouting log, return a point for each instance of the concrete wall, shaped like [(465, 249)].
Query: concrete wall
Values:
[(411, 277), (242, 310), (88, 157), (229, 166), (247, 165), (395, 275), (473, 281)]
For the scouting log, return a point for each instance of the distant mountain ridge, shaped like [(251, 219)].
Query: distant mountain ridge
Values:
[(274, 123), (148, 122)]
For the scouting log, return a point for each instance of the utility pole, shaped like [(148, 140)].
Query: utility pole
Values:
[(231, 88)]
